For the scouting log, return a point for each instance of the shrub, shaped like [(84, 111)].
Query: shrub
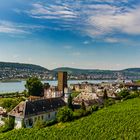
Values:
[(109, 102), (39, 124), (64, 114), (94, 108), (124, 93), (9, 124), (50, 123)]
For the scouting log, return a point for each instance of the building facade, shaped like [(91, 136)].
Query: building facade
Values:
[(28, 112)]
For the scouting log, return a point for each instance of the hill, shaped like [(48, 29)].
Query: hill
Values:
[(21, 66), (82, 71), (119, 121), (131, 73), (20, 71)]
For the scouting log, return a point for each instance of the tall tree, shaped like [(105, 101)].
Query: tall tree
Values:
[(70, 105), (83, 106), (34, 87), (105, 96)]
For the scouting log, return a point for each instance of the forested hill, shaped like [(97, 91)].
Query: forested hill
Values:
[(82, 71), (12, 71), (6, 65), (97, 71)]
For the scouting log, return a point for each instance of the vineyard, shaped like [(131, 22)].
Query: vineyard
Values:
[(119, 121)]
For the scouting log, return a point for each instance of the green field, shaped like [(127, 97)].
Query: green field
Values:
[(119, 121)]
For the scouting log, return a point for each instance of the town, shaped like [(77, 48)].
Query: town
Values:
[(45, 106)]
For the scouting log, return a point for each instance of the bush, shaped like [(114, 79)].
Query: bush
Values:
[(124, 93), (132, 95), (9, 124), (10, 103), (94, 108), (40, 124), (64, 114), (50, 123), (109, 102)]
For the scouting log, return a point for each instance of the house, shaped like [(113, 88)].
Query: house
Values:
[(89, 99), (29, 111)]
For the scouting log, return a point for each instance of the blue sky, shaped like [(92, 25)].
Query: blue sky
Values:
[(94, 34)]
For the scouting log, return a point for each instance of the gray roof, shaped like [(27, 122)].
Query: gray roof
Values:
[(36, 107)]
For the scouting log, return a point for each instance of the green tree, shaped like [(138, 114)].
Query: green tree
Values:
[(34, 86), (64, 114), (105, 96), (124, 93), (83, 106), (70, 105)]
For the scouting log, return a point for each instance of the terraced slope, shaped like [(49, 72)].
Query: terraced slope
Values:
[(120, 121)]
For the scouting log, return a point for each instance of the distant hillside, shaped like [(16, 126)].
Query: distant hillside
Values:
[(10, 71), (131, 73), (82, 71), (86, 71), (21, 66), (117, 122)]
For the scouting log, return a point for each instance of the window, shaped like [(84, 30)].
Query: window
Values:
[(38, 117), (30, 122), (42, 117)]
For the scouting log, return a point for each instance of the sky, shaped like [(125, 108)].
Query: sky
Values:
[(88, 34)]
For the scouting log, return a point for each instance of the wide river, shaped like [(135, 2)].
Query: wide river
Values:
[(7, 87)]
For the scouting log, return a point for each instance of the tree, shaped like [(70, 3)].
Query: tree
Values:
[(64, 114), (105, 96), (70, 105), (83, 107), (124, 93), (34, 86)]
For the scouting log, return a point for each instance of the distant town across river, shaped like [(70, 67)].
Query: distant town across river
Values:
[(8, 87)]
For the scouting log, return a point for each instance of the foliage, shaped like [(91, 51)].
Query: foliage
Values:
[(9, 124), (34, 86), (64, 114), (83, 106), (119, 121), (70, 105), (138, 82), (105, 96), (94, 108), (109, 102), (75, 94), (132, 95), (10, 103), (39, 124), (124, 93), (23, 124)]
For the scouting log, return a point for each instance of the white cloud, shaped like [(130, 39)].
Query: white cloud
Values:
[(51, 11), (105, 22), (12, 28), (90, 17), (9, 27)]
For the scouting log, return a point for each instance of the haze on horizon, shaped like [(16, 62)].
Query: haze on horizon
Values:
[(87, 34)]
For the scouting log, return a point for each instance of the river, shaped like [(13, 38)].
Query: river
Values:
[(8, 87)]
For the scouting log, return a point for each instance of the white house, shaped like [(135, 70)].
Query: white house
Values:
[(28, 112)]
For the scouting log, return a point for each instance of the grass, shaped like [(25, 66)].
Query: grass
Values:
[(119, 121)]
